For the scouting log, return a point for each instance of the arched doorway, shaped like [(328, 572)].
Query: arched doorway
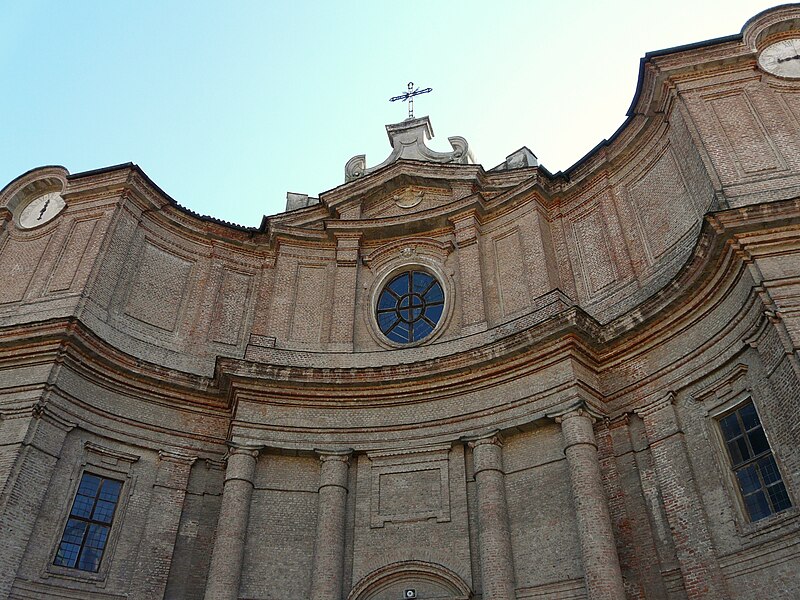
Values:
[(430, 582)]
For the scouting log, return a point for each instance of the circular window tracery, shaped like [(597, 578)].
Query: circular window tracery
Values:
[(409, 307)]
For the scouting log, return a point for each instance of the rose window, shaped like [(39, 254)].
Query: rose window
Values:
[(410, 306)]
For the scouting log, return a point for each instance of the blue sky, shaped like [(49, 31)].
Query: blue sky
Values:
[(227, 106)]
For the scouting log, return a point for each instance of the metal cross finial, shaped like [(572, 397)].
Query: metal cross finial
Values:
[(409, 96)]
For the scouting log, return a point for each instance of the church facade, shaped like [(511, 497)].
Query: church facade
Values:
[(436, 380)]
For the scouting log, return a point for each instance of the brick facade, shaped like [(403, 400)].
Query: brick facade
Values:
[(557, 433)]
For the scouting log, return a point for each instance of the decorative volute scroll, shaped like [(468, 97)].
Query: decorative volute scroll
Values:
[(408, 142)]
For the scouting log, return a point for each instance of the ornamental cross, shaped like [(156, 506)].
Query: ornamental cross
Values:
[(409, 97)]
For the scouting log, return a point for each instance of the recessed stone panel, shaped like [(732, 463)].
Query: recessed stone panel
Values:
[(159, 287), (663, 207), (745, 133), (307, 316), (71, 255), (594, 251), (509, 266), (230, 307), (410, 487)]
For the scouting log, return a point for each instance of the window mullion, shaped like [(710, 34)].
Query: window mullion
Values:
[(765, 489), (96, 497), (99, 523), (83, 541)]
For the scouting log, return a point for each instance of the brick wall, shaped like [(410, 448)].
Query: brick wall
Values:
[(650, 289)]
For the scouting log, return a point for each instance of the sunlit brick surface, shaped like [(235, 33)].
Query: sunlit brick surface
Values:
[(558, 433)]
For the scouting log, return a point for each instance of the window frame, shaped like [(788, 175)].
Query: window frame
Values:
[(753, 460), (744, 523), (386, 274), (110, 464), (410, 292), (90, 520)]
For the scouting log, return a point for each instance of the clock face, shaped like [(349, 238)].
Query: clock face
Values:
[(782, 58), (41, 210)]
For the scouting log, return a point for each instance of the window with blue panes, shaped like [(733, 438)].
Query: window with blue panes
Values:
[(86, 533), (754, 467), (410, 306)]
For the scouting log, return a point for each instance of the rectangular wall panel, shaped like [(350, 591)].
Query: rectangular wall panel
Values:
[(307, 315), (664, 210), (594, 251), (745, 134), (22, 258), (514, 295), (230, 307), (71, 255), (159, 288)]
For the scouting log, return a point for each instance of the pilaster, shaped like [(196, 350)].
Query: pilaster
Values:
[(41, 434), (702, 577), (598, 550), (473, 312), (347, 248), (628, 510), (161, 531)]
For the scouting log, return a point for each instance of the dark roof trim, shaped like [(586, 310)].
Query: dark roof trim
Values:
[(736, 37), (629, 115), (102, 170), (166, 196)]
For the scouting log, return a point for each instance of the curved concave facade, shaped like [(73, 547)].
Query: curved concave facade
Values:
[(437, 380)]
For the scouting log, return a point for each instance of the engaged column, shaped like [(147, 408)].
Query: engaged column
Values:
[(494, 540), (598, 551), (326, 576), (226, 560)]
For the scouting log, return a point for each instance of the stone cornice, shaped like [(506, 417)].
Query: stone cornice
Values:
[(110, 453), (70, 341)]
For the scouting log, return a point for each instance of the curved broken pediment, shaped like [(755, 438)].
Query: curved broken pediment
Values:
[(408, 142)]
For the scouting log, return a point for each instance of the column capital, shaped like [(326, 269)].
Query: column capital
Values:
[(334, 455), (494, 438), (347, 248), (235, 448), (177, 457), (487, 453), (43, 410), (660, 418), (466, 227), (660, 403), (216, 464), (577, 408), (620, 420), (173, 469)]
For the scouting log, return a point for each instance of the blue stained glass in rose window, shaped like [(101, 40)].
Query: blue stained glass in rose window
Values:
[(410, 306)]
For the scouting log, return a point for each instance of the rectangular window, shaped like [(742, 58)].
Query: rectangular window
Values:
[(753, 464), (89, 523)]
